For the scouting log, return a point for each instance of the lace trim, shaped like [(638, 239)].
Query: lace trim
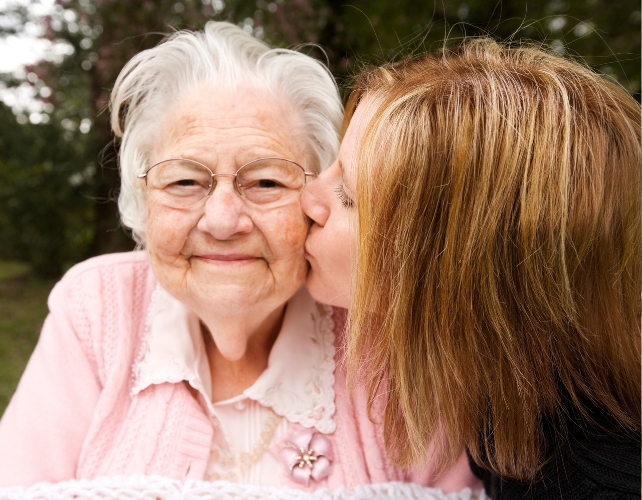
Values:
[(164, 488), (321, 382)]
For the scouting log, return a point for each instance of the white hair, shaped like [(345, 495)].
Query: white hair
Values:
[(224, 57)]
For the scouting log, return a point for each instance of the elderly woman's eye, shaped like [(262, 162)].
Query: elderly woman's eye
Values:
[(263, 184), (263, 191), (184, 188), (185, 183), (268, 183)]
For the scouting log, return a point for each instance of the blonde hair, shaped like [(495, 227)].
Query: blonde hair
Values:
[(498, 273)]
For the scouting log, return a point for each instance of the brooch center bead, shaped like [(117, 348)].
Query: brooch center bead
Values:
[(305, 458)]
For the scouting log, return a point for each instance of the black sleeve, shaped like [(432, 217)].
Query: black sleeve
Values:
[(592, 467)]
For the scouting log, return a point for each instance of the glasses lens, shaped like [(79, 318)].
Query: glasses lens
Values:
[(270, 180), (179, 183)]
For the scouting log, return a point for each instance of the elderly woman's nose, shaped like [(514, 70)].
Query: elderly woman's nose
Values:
[(314, 201), (225, 214)]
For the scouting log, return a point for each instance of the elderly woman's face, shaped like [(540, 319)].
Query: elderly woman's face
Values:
[(225, 255)]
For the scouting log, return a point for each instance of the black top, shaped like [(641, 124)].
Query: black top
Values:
[(593, 464)]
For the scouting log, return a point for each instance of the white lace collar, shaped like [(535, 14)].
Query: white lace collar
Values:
[(297, 384)]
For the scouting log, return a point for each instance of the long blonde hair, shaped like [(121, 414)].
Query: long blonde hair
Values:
[(498, 269)]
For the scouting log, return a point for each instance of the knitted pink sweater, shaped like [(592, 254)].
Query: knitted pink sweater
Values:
[(72, 415)]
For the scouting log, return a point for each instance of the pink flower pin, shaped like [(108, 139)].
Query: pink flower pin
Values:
[(308, 455)]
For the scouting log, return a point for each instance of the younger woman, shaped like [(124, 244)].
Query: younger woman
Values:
[(482, 225)]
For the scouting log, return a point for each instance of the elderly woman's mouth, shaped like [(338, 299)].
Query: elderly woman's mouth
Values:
[(228, 259)]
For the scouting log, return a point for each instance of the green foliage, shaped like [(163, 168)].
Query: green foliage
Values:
[(46, 218), (10, 269), (603, 34)]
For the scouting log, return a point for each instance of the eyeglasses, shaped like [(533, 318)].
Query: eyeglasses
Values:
[(182, 183)]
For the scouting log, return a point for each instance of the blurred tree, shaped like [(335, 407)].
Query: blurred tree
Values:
[(603, 34), (92, 39), (46, 217)]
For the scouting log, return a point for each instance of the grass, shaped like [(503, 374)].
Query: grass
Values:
[(12, 269), (23, 307)]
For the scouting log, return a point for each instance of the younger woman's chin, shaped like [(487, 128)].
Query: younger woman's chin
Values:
[(324, 292)]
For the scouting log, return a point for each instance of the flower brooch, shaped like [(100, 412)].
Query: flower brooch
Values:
[(308, 455)]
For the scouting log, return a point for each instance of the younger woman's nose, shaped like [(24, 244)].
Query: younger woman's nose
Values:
[(314, 201)]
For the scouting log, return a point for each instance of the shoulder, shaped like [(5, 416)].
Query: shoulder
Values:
[(108, 292), (122, 260), (103, 274), (593, 465), (609, 462), (102, 302), (117, 278)]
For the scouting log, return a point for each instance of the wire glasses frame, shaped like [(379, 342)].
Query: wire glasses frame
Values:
[(182, 183)]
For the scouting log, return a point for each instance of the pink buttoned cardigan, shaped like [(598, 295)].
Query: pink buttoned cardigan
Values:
[(73, 417)]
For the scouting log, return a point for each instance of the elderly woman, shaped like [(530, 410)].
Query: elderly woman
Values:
[(202, 356), (486, 204)]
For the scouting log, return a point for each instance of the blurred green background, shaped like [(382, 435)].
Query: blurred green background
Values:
[(58, 160)]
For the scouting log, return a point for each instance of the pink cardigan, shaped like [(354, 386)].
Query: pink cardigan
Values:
[(72, 415)]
